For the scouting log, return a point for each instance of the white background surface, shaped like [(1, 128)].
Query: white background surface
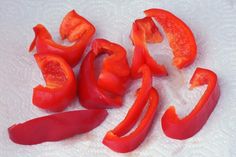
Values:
[(213, 23)]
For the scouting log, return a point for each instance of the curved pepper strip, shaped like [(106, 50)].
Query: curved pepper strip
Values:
[(72, 54), (180, 37), (115, 70), (114, 140), (74, 27), (133, 140), (142, 97), (90, 95), (185, 128), (145, 31), (60, 81), (56, 127)]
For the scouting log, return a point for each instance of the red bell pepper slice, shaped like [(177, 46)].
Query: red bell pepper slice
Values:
[(60, 81), (177, 128), (89, 93), (180, 36), (145, 31), (115, 138), (115, 70), (82, 30), (150, 32), (74, 27), (56, 127)]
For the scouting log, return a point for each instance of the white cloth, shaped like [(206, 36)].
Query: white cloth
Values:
[(213, 23)]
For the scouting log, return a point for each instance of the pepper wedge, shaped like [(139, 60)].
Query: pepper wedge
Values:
[(72, 54), (74, 27), (56, 127), (185, 128), (90, 95), (115, 72), (60, 87), (180, 36), (144, 30)]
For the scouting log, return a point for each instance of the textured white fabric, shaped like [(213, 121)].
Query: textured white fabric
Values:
[(213, 23)]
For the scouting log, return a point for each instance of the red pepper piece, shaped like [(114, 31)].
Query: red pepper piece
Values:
[(150, 30), (114, 140), (72, 54), (144, 30), (180, 36), (133, 140), (185, 128), (60, 81), (90, 95), (56, 127), (115, 71), (74, 27)]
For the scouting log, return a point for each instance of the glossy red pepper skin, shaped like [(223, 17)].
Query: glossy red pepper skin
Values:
[(180, 36), (177, 128), (115, 72), (90, 95), (60, 87), (81, 31), (137, 108), (56, 127), (145, 31), (115, 138)]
